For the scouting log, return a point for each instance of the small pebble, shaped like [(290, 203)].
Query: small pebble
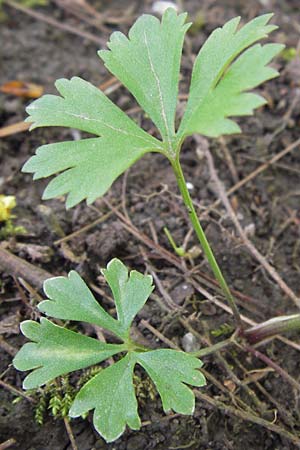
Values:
[(190, 343), (250, 230), (12, 105), (76, 134), (190, 186), (160, 7)]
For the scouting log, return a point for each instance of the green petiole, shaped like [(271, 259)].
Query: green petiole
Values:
[(203, 241)]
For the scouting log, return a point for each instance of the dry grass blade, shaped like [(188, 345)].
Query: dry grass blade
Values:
[(249, 418), (255, 173), (14, 129), (252, 249), (9, 443), (55, 23)]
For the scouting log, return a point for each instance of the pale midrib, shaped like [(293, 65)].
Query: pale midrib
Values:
[(118, 130), (80, 356), (163, 113), (62, 349)]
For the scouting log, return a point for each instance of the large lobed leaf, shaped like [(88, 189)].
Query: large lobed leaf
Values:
[(217, 89), (91, 165), (148, 64)]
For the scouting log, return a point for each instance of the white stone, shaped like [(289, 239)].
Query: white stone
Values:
[(160, 7), (190, 186), (190, 343), (250, 230)]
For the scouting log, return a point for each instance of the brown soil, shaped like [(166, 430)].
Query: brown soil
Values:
[(268, 206)]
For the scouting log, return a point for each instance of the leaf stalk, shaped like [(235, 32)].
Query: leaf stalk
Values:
[(203, 240), (270, 328), (214, 348), (178, 250)]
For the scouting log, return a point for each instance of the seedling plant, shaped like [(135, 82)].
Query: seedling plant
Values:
[(147, 62)]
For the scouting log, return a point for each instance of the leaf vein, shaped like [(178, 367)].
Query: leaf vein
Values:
[(119, 130), (163, 112)]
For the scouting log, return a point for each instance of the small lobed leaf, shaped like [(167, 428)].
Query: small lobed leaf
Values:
[(111, 394), (170, 371), (130, 292), (218, 84), (88, 166), (57, 351), (69, 298), (148, 64)]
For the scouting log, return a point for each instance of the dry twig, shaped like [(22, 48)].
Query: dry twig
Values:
[(254, 174), (70, 434), (7, 444), (252, 249), (55, 23)]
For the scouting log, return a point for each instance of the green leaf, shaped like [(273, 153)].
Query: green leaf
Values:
[(148, 63), (169, 370), (218, 84), (130, 292), (91, 165), (71, 299), (88, 167), (87, 108), (111, 394), (57, 351)]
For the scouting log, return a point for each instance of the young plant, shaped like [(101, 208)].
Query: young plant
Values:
[(228, 66), (148, 64), (56, 351)]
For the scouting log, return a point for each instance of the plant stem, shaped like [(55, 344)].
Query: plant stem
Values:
[(130, 345), (203, 240), (272, 327), (213, 348), (178, 250)]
